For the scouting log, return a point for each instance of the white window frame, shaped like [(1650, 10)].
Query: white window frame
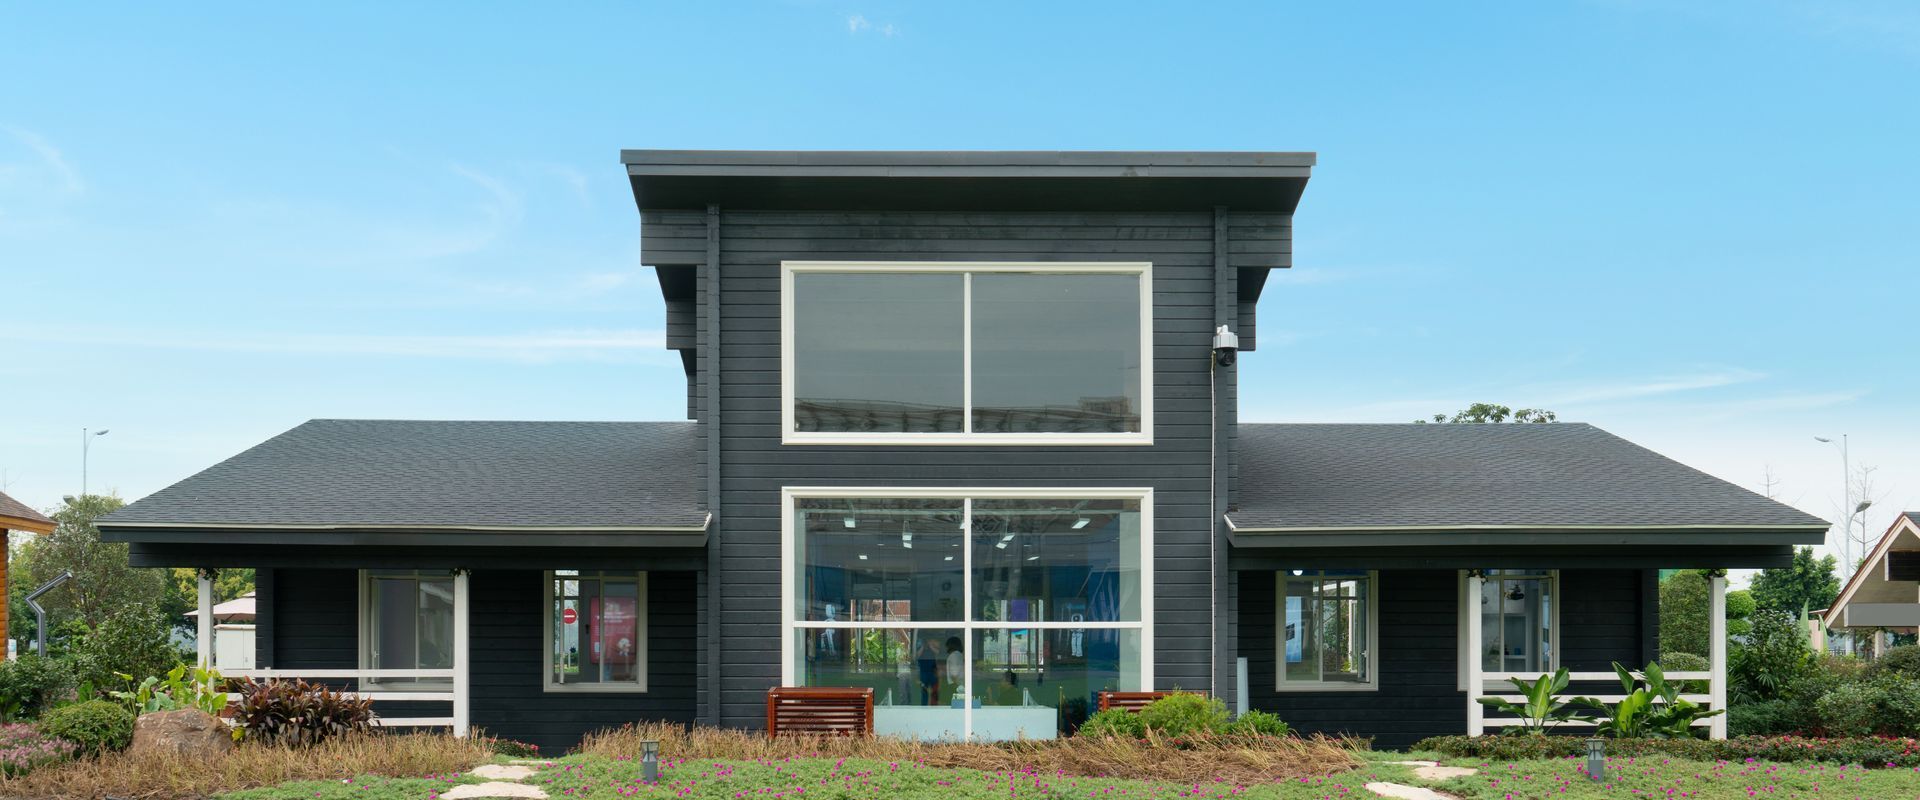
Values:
[(1143, 269), (365, 616), (1281, 684), (789, 567), (1468, 605), (641, 615)]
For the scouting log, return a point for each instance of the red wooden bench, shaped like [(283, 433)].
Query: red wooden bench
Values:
[(819, 710), (1134, 701)]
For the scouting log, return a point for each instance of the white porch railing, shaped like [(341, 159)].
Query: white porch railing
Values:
[(458, 695), (1496, 684), (365, 676)]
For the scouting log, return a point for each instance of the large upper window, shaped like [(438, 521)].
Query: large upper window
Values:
[(979, 353), (597, 630), (970, 614), (1327, 622)]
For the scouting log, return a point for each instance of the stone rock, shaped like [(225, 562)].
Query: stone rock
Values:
[(1416, 763), (1439, 773), (188, 732), (1399, 792), (498, 772), (468, 791)]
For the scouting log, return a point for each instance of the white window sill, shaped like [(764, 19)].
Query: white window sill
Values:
[(595, 688), (1287, 688)]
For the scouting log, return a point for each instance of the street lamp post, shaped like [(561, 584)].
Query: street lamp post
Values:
[(1846, 503), (86, 441)]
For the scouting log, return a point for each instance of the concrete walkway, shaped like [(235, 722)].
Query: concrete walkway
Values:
[(503, 780)]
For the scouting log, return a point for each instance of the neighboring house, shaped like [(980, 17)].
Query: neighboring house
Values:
[(233, 633), (962, 425), (15, 516), (1883, 595)]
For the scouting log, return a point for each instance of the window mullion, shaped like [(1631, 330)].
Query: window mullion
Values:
[(966, 596), (966, 354)]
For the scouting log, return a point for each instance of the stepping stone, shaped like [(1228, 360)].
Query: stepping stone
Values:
[(501, 772), (1439, 773), (530, 762), (1416, 763), (1396, 791), (468, 791)]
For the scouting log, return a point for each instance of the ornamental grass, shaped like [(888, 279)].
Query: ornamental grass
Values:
[(152, 775), (1240, 759)]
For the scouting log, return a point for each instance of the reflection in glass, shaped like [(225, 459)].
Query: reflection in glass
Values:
[(412, 625), (871, 560), (1324, 627), (601, 643), (1039, 683), (1516, 621), (1056, 560), (877, 352), (1056, 353)]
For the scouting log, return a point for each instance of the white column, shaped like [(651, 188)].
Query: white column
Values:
[(1717, 631), (204, 646), (462, 597), (1476, 683)]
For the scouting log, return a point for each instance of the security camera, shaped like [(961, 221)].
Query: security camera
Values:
[(1226, 346)]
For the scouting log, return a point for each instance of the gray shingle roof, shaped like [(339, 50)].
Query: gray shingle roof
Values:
[(388, 473), (1329, 477)]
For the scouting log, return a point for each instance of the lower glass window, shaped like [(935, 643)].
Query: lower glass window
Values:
[(408, 625), (1326, 629), (597, 630)]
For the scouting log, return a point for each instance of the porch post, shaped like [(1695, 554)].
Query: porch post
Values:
[(462, 595), (1717, 645), (1476, 681), (203, 647)]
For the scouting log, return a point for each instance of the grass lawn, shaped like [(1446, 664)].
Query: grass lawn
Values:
[(596, 777)]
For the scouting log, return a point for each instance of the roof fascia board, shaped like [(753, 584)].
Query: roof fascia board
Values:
[(413, 538), (1902, 522), (1538, 537)]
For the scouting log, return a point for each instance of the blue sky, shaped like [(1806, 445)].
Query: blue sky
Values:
[(1692, 223)]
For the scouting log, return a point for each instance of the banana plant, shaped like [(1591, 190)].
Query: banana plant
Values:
[(1540, 707), (1650, 707)]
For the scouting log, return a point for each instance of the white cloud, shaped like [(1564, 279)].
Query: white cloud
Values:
[(528, 347), (50, 157), (1642, 388), (857, 23)]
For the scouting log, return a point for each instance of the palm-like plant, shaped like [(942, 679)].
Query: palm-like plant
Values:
[(1540, 706), (1651, 707)]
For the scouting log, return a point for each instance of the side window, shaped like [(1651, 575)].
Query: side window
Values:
[(596, 631), (407, 623), (1327, 622)]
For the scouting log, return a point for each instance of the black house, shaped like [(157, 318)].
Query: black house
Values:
[(963, 429)]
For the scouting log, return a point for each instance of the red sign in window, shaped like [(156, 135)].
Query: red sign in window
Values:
[(612, 630), (569, 616)]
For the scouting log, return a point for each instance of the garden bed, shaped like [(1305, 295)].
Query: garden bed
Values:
[(1872, 752)]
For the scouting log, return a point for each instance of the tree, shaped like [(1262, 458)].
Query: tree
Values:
[(1807, 584), (1492, 412), (103, 582), (1684, 613), (183, 593)]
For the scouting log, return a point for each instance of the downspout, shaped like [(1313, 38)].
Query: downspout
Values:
[(710, 373)]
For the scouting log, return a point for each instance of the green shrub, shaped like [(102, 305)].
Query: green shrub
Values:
[(1684, 662), (1764, 718), (1902, 660), (1873, 752), (134, 641), (1772, 662), (1257, 723), (511, 748), (31, 684), (1851, 710), (1184, 714), (299, 713), (96, 726), (1115, 722)]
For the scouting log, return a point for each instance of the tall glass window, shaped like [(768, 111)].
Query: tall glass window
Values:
[(986, 352), (597, 630), (1326, 629), (994, 617), (409, 625), (1517, 620)]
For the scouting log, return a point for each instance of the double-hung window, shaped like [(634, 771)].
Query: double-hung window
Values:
[(966, 352), (1328, 624)]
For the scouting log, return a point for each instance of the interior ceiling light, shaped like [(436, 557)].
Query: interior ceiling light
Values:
[(848, 521), (949, 558), (1080, 523), (863, 556), (1033, 558)]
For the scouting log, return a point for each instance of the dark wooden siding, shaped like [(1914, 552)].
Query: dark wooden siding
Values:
[(1600, 622), (314, 624), (755, 465)]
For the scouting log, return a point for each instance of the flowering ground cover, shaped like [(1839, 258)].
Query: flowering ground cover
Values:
[(1634, 778), (365, 787), (23, 748)]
